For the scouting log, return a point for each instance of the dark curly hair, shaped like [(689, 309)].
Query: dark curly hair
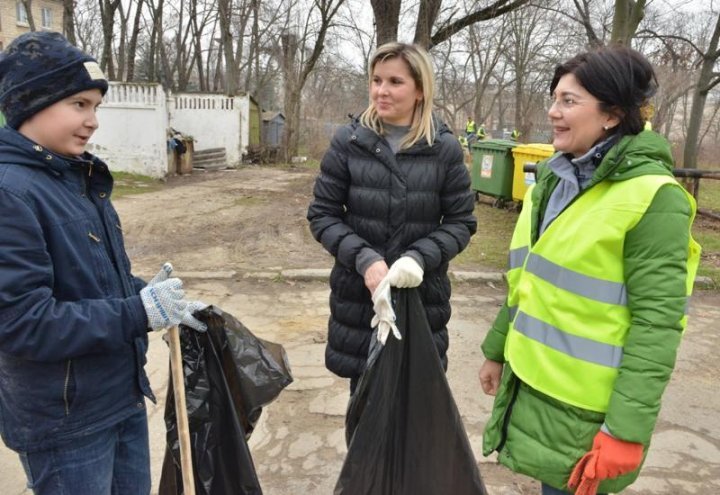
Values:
[(621, 78)]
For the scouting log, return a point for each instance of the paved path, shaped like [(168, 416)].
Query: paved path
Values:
[(298, 446)]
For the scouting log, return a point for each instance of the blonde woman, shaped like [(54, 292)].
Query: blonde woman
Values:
[(393, 191)]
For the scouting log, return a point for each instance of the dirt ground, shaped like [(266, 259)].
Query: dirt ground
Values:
[(230, 233), (243, 220)]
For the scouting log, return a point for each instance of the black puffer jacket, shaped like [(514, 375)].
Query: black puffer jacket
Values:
[(417, 202)]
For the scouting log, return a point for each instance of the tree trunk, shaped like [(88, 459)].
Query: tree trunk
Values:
[(387, 18), (107, 16), (427, 14), (197, 44), (231, 79), (69, 20), (155, 39), (28, 10), (627, 17), (254, 49), (132, 45), (295, 78), (707, 80), (122, 46)]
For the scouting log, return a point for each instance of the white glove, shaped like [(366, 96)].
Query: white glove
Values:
[(405, 273), (162, 275), (165, 306), (384, 318)]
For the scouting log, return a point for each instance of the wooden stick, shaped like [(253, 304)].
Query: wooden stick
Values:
[(178, 378)]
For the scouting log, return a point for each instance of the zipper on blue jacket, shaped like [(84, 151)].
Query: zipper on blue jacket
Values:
[(68, 368)]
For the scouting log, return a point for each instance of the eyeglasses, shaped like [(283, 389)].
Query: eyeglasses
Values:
[(566, 102)]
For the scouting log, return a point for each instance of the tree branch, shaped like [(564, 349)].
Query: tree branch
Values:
[(712, 83), (497, 9), (670, 36)]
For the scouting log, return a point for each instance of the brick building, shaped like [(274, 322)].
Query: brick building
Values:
[(47, 15)]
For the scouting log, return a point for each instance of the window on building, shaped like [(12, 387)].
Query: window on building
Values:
[(21, 13), (47, 17)]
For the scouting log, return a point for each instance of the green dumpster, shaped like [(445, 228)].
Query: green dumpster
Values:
[(2, 120), (492, 170)]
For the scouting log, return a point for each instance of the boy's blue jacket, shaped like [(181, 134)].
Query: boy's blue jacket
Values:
[(73, 331)]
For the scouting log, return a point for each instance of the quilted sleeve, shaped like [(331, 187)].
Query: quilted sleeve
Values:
[(326, 213), (458, 221), (655, 261)]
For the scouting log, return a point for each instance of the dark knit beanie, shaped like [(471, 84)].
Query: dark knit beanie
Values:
[(40, 68)]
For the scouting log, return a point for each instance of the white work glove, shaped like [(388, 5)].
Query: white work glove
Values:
[(162, 275), (405, 273), (165, 306), (384, 318)]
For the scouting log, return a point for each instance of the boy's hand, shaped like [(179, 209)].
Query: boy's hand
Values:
[(165, 306)]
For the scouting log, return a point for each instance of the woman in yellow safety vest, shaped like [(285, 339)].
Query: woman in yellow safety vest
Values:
[(601, 265)]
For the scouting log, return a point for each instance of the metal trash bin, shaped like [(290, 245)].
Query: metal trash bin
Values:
[(492, 170), (526, 154)]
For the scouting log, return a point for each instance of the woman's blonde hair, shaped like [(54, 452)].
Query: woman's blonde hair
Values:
[(420, 67)]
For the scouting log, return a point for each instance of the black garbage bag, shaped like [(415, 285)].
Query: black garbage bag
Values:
[(230, 374), (405, 434)]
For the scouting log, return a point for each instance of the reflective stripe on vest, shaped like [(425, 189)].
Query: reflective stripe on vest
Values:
[(567, 298), (571, 281)]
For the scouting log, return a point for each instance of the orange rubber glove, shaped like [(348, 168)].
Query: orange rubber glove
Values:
[(609, 458)]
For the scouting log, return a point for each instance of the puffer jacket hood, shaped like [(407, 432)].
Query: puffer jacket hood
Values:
[(646, 153)]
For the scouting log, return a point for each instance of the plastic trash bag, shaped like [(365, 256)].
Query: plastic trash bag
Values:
[(404, 431), (230, 374)]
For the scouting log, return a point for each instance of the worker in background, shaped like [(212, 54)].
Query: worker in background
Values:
[(470, 127)]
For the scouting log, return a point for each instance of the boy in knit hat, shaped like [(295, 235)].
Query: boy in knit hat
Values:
[(74, 325)]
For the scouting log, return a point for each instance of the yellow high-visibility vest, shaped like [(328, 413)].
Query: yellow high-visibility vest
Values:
[(567, 296)]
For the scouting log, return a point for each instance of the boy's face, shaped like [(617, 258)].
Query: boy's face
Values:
[(65, 126)]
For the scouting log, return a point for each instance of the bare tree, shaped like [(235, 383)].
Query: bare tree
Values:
[(496, 9), (69, 20), (156, 14), (387, 19), (528, 50), (487, 50), (132, 45), (428, 12), (27, 5), (107, 17), (628, 14), (707, 80), (583, 10), (296, 72)]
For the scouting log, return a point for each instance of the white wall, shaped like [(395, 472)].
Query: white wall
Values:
[(214, 121), (132, 135)]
